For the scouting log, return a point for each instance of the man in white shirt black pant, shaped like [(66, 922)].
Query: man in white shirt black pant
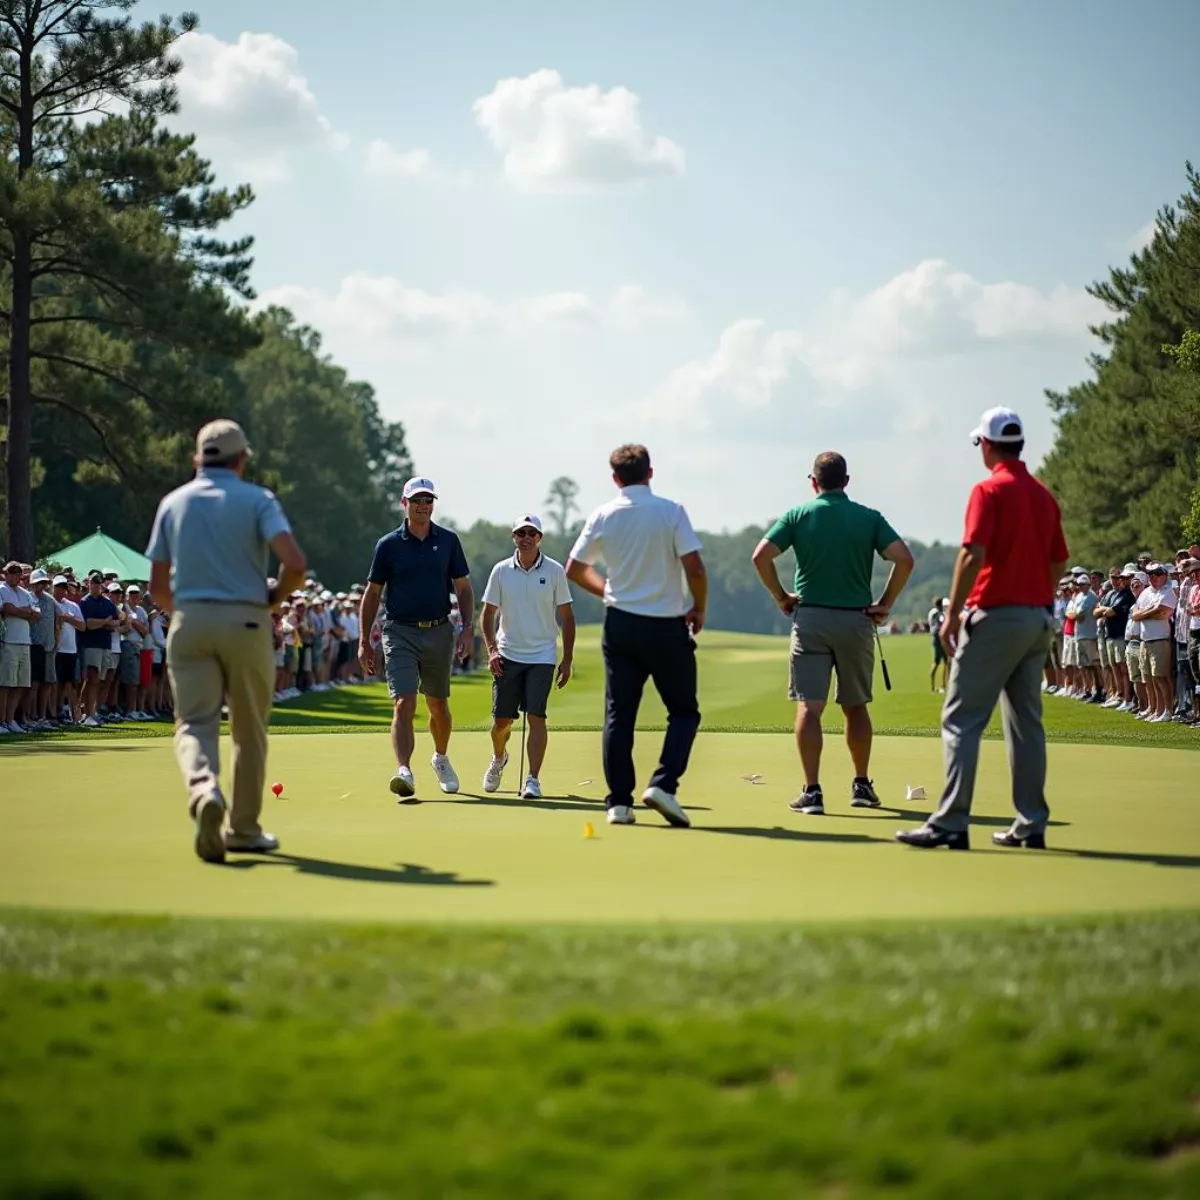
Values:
[(655, 594)]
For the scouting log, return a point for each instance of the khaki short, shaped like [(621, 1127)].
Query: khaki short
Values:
[(1116, 652), (829, 639), (96, 660), (418, 659), (1157, 659), (14, 666), (1087, 652), (1133, 661)]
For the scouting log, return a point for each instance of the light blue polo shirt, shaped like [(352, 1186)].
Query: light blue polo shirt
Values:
[(216, 531)]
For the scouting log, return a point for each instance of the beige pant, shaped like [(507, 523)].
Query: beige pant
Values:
[(217, 654)]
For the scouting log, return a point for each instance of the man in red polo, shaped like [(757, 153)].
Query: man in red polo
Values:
[(1013, 554)]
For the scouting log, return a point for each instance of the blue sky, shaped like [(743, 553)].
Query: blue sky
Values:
[(793, 227)]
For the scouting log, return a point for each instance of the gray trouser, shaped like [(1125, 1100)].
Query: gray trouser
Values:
[(1000, 656)]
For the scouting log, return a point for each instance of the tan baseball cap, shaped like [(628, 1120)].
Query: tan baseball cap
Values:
[(221, 440)]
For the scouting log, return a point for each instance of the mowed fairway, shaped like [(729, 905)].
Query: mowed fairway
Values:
[(467, 996), (122, 840)]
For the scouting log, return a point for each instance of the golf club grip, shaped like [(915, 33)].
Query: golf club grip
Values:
[(887, 679)]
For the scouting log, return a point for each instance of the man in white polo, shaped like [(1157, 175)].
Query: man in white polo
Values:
[(529, 595), (654, 595)]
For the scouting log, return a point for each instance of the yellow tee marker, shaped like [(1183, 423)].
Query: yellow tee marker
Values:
[(588, 831)]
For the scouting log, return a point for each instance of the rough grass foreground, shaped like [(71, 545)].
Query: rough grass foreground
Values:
[(151, 1058)]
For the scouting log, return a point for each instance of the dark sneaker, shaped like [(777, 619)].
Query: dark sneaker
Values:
[(810, 802), (210, 815), (862, 795), (1031, 841), (930, 837)]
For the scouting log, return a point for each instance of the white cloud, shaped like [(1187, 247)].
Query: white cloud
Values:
[(383, 159), (1142, 238), (249, 104), (369, 307), (634, 308), (559, 138)]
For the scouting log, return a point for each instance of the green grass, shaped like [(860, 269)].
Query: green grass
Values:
[(743, 688), (167, 1058), (467, 997)]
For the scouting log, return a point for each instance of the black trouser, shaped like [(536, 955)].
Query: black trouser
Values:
[(636, 649)]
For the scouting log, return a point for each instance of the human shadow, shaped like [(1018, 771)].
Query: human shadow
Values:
[(408, 873), (1187, 861), (777, 833), (917, 814), (568, 803), (49, 744)]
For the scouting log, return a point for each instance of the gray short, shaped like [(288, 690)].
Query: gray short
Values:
[(418, 660), (522, 686), (95, 659), (1087, 653), (112, 660), (131, 665), (829, 639)]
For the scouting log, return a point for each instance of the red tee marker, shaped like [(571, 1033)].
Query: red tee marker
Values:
[(277, 788)]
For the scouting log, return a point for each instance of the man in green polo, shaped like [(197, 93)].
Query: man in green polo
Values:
[(835, 542)]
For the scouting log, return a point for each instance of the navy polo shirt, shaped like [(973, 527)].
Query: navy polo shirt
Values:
[(417, 574)]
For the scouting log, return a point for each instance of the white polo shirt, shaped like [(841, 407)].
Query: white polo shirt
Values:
[(66, 634), (640, 538), (17, 632), (528, 602), (1157, 630)]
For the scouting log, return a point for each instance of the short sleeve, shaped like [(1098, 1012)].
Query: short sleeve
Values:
[(562, 590), (782, 532), (589, 545), (159, 549), (686, 541), (1170, 599), (271, 518), (491, 593), (379, 563), (458, 561), (885, 535), (980, 525)]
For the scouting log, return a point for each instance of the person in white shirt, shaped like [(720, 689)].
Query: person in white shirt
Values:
[(1153, 610), (529, 594), (1140, 702), (66, 654), (20, 610), (654, 595), (134, 629)]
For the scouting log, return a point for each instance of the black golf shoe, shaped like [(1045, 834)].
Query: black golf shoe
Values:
[(930, 837), (862, 795)]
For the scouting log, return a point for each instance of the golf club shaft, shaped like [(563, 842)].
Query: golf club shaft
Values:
[(521, 773), (887, 679)]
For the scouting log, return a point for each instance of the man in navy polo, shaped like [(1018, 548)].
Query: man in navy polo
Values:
[(419, 564)]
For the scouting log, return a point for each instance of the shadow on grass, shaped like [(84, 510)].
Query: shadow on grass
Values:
[(1186, 861), (778, 833), (568, 803), (49, 744), (922, 815), (408, 873)]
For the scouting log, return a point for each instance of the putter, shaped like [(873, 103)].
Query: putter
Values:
[(521, 773), (887, 679)]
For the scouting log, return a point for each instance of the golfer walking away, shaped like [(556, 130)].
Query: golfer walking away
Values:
[(209, 553), (835, 541), (654, 595), (1012, 556), (529, 595), (419, 564)]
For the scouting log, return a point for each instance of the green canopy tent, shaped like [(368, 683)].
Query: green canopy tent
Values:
[(103, 553)]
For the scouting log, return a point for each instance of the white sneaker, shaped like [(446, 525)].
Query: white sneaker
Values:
[(621, 814), (13, 727), (666, 806), (402, 783), (447, 779), (210, 815), (532, 789), (1163, 718), (89, 723), (494, 773), (251, 843)]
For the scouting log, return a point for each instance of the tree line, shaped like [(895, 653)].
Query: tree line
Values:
[(1124, 465), (125, 312)]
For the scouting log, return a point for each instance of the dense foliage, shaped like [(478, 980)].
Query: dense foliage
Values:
[(1124, 465)]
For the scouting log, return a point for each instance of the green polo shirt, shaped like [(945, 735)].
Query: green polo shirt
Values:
[(835, 542)]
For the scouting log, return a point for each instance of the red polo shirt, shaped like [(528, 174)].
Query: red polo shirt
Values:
[(1016, 520)]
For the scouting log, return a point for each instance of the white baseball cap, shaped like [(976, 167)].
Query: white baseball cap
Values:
[(39, 576), (1142, 578), (1083, 577), (1129, 569), (991, 427), (527, 521), (60, 579), (414, 487)]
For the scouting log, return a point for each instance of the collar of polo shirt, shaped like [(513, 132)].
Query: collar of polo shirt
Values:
[(537, 562)]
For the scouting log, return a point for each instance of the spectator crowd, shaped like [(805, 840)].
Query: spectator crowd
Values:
[(91, 652)]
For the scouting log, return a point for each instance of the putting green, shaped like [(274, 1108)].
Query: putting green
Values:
[(102, 826)]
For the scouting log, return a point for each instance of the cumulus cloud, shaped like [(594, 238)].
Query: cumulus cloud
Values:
[(384, 160), (249, 104), (559, 138), (370, 307)]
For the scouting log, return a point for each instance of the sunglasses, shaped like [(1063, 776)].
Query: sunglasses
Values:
[(420, 499), (526, 533)]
